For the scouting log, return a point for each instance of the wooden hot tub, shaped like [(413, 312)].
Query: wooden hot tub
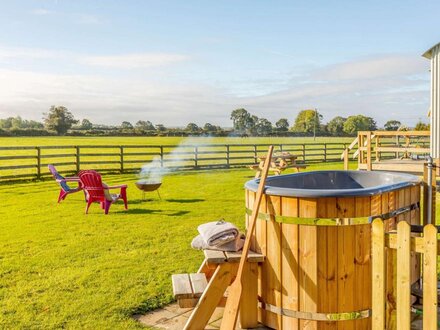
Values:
[(314, 230)]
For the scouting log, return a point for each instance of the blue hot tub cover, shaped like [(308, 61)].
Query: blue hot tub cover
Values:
[(335, 183)]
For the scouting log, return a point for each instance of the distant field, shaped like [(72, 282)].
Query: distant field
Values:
[(115, 140)]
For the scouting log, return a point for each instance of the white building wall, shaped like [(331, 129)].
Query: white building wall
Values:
[(434, 55)]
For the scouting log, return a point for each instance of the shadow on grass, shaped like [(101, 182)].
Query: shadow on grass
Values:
[(148, 211), (142, 201), (184, 201)]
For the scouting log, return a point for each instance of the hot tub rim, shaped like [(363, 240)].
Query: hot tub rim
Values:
[(412, 180)]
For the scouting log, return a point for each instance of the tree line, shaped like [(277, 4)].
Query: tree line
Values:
[(60, 121)]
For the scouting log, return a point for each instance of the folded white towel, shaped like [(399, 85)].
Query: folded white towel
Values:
[(199, 243), (218, 232)]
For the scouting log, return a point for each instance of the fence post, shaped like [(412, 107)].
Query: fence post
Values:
[(121, 148), (38, 163), (369, 166), (403, 275), (255, 153), (304, 152), (281, 148), (325, 152), (161, 156), (227, 156), (346, 159), (196, 150), (378, 275), (430, 277), (77, 156)]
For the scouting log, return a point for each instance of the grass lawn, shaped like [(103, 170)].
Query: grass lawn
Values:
[(61, 268)]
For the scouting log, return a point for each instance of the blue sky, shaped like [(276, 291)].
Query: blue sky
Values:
[(173, 62)]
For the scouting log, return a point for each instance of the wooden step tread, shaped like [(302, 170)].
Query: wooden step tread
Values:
[(219, 257), (188, 285)]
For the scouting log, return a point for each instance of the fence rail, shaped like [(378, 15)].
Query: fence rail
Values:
[(30, 162)]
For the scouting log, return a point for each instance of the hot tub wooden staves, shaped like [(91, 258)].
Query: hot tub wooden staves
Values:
[(318, 275)]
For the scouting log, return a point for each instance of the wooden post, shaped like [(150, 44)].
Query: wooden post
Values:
[(161, 156), (325, 152), (227, 156), (121, 148), (255, 153), (378, 275), (377, 146), (346, 159), (304, 152), (369, 167), (38, 163), (403, 276), (360, 145), (426, 193), (430, 277), (196, 156), (78, 159)]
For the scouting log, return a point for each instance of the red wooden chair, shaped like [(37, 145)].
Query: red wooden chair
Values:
[(97, 191), (65, 189)]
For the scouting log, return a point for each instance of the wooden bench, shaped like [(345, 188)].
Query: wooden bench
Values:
[(205, 289), (188, 288), (277, 170)]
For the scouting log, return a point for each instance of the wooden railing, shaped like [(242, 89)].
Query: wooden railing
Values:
[(405, 244), (30, 162), (373, 146)]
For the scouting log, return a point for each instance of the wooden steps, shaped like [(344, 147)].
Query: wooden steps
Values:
[(188, 288)]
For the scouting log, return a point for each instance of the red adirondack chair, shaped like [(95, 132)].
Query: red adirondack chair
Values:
[(65, 189), (97, 191)]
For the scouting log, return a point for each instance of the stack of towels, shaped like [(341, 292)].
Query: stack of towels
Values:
[(218, 235)]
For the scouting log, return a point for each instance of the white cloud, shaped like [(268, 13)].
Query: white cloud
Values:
[(42, 12), (387, 87), (133, 61)]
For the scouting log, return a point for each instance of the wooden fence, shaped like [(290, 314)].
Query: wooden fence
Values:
[(30, 162), (403, 244)]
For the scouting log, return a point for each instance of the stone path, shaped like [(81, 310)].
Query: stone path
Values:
[(172, 317)]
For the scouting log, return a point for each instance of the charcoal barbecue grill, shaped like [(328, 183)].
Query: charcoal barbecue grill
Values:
[(146, 186)]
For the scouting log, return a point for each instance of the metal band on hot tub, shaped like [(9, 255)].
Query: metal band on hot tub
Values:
[(314, 316), (334, 221)]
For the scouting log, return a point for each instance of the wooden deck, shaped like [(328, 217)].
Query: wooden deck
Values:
[(398, 165)]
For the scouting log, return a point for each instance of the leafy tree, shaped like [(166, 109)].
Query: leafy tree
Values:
[(193, 128), (161, 128), (263, 126), (282, 125), (242, 120), (86, 124), (336, 126), (392, 125), (126, 125), (357, 123), (59, 119), (144, 125), (307, 121), (208, 127), (34, 124), (420, 126)]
